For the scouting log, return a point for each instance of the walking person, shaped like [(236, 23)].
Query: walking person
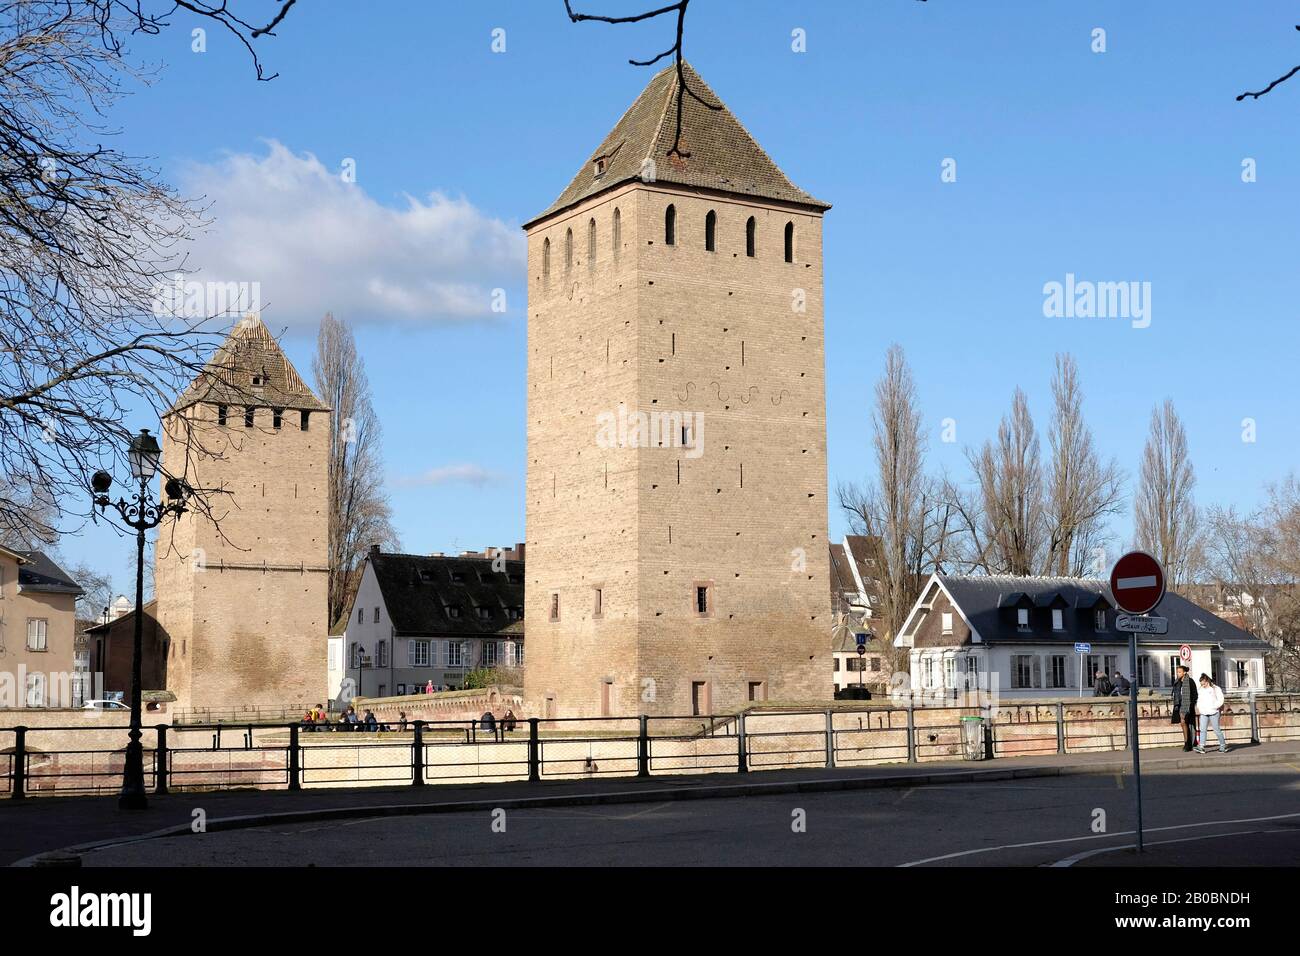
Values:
[(1183, 711), (1209, 706)]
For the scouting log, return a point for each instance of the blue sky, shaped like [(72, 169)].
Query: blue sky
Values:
[(1116, 166)]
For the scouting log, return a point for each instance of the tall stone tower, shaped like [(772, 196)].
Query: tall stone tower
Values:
[(676, 490), (242, 594)]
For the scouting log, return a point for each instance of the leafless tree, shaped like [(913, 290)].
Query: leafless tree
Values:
[(1166, 518), (1256, 94), (905, 518), (359, 513), (1081, 490), (88, 237), (1005, 523)]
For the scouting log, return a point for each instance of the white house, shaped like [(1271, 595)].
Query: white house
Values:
[(1018, 636)]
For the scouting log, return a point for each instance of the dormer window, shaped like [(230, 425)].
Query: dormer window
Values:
[(259, 380), (1058, 619), (1022, 618), (1099, 619), (485, 614), (458, 577), (453, 611), (599, 166)]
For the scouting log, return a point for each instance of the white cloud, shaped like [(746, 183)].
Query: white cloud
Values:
[(465, 474), (315, 243)]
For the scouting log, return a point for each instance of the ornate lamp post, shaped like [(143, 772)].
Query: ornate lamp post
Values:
[(140, 513)]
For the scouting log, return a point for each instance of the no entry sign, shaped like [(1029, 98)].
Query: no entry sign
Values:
[(1137, 582)]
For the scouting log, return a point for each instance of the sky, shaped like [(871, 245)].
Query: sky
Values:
[(385, 173)]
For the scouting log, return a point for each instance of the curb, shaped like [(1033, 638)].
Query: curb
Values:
[(69, 856)]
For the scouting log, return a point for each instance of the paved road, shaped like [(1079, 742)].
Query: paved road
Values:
[(1234, 816)]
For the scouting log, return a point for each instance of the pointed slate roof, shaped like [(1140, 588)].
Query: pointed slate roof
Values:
[(250, 354), (723, 154)]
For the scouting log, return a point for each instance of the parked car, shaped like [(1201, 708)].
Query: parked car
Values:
[(104, 705)]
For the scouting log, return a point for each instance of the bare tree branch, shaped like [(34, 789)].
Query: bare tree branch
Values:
[(1268, 89)]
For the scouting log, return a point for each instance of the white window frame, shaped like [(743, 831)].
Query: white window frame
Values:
[(946, 620), (1056, 659), (491, 653), (950, 672), (1022, 618), (1058, 619), (38, 638), (417, 654), (456, 653)]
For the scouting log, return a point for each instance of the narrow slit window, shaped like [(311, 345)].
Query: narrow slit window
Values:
[(618, 231), (277, 417), (304, 422), (248, 417), (670, 225), (568, 249), (789, 242), (751, 235), (546, 261), (221, 414), (711, 232), (591, 242)]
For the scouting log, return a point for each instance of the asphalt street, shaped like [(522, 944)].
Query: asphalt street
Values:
[(1227, 816)]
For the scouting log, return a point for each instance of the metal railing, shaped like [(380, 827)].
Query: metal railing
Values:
[(88, 759)]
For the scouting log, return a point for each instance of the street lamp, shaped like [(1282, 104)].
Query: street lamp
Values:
[(141, 514)]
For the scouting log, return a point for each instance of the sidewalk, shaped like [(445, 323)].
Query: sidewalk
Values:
[(38, 824)]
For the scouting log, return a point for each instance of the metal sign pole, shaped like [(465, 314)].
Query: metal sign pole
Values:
[(1133, 721)]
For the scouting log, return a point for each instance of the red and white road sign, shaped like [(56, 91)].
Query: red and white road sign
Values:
[(1185, 653), (1137, 582)]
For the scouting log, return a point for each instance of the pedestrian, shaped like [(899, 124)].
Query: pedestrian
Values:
[(1101, 686), (372, 724), (428, 688), (508, 721), (401, 723), (1209, 706), (1183, 709), (1121, 685)]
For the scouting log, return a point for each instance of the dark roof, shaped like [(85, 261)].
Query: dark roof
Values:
[(723, 156), (418, 590), (987, 602), (250, 350), (39, 573)]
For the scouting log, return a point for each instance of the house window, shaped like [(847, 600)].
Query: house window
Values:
[(751, 235), (591, 242), (1058, 622), (670, 225), (927, 672), (1174, 662), (376, 615), (618, 231), (949, 672), (36, 690), (221, 414), (757, 690), (947, 622), (605, 685), (417, 653), (259, 380), (484, 613), (1243, 673), (1099, 620), (36, 634), (1058, 670), (453, 611), (248, 417), (458, 577), (277, 417), (597, 602), (555, 606), (568, 250), (1144, 671), (702, 602), (354, 654), (1022, 671), (361, 615), (789, 242), (455, 654), (491, 653), (710, 231), (304, 420), (546, 261), (600, 167), (381, 655), (1022, 618)]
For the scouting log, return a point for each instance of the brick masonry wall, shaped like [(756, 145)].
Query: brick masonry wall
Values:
[(677, 329), (243, 601)]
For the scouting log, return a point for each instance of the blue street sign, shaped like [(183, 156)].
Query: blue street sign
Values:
[(862, 638), (1083, 648)]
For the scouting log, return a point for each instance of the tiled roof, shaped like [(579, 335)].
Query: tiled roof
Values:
[(39, 573), (418, 590), (723, 156), (988, 603), (228, 378)]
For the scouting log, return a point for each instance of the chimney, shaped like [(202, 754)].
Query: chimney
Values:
[(374, 549), (519, 551)]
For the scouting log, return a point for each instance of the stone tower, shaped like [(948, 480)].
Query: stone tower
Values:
[(242, 598), (676, 490)]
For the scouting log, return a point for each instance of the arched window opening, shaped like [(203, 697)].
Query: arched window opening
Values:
[(546, 261), (618, 231), (751, 234), (789, 242), (591, 241), (711, 232), (568, 249), (670, 225)]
